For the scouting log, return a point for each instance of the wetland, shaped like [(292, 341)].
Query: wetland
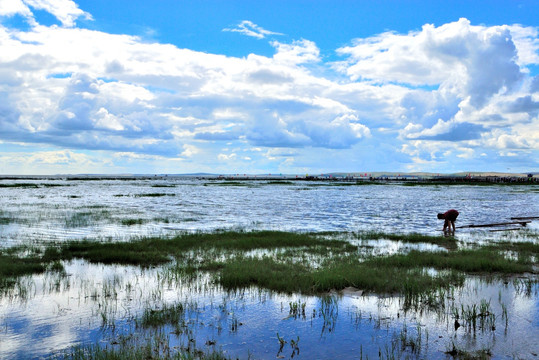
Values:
[(187, 268)]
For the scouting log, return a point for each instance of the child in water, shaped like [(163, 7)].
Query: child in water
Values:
[(449, 216)]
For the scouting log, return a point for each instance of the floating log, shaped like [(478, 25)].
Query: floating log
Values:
[(525, 218), (523, 223)]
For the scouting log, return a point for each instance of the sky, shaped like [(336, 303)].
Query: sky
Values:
[(292, 87)]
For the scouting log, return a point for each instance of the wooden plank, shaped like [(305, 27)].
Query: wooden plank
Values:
[(523, 223)]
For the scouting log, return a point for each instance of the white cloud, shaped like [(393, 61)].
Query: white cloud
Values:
[(14, 7), (298, 52), (440, 95), (225, 157), (456, 56), (66, 11), (251, 29)]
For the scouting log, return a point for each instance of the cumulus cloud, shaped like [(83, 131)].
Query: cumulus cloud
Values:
[(457, 87), (14, 7), (444, 130), (455, 56), (302, 51), (251, 29), (66, 11)]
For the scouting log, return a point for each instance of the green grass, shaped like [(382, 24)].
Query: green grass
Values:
[(291, 277), (12, 266), (19, 185), (153, 195), (168, 315), (469, 261), (229, 183), (521, 247), (157, 250), (4, 220), (287, 262), (131, 222)]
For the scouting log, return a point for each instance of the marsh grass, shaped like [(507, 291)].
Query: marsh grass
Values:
[(5, 219), (154, 195), (231, 183), (20, 185), (131, 222), (168, 315), (154, 345), (86, 218), (289, 262)]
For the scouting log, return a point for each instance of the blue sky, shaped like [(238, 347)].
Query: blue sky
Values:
[(268, 87)]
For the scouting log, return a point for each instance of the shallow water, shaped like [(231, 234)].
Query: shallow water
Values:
[(91, 304), (96, 209), (96, 303)]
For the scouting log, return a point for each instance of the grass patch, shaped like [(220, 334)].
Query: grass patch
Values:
[(520, 247), (19, 185), (470, 261), (230, 183), (287, 262), (168, 315), (291, 277), (4, 220), (131, 222), (154, 195)]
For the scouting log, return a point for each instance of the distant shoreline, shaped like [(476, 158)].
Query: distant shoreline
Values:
[(360, 179)]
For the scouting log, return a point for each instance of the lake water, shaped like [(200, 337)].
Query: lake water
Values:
[(95, 209), (97, 303)]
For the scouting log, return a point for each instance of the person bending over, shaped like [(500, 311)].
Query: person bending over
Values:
[(449, 216)]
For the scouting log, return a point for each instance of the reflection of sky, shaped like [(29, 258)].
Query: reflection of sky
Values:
[(41, 214), (57, 318)]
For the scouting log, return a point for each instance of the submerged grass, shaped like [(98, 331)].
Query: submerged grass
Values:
[(152, 346)]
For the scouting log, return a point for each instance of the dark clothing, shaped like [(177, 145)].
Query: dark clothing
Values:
[(451, 215)]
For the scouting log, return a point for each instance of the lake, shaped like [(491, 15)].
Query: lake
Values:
[(48, 313)]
